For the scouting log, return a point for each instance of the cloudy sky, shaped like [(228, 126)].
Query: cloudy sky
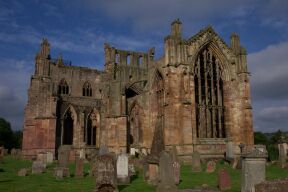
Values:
[(77, 29)]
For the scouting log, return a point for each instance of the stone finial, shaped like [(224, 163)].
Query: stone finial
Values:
[(60, 60), (176, 28)]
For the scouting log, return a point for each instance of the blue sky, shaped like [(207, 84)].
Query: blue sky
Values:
[(77, 29)]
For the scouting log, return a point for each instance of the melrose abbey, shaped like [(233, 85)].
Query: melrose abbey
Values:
[(197, 94)]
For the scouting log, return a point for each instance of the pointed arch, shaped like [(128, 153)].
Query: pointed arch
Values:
[(210, 71), (63, 87), (92, 128), (69, 120), (158, 88), (87, 89), (135, 130)]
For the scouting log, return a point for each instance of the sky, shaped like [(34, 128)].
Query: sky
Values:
[(78, 29)]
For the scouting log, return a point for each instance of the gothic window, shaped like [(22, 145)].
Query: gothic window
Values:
[(209, 96), (63, 87), (159, 88), (68, 128), (87, 90), (92, 133)]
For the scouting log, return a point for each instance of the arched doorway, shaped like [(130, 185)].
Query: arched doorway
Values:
[(68, 124)]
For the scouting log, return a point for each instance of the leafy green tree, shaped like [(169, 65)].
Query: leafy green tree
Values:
[(18, 139), (260, 138), (276, 137), (6, 134)]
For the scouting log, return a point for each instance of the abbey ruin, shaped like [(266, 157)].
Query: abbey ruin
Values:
[(198, 92)]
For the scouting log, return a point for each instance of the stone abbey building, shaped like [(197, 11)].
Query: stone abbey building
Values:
[(198, 93)]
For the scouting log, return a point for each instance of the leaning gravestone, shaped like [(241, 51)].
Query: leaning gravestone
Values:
[(253, 169), (123, 169), (224, 180), (196, 162), (166, 174), (105, 173), (38, 167), (211, 166)]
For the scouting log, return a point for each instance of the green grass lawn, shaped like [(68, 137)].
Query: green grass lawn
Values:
[(10, 182)]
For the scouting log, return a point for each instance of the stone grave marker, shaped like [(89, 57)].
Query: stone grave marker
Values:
[(2, 153), (166, 174), (224, 180), (79, 170), (49, 157), (211, 166), (38, 167), (196, 162), (103, 150), (63, 155), (23, 172), (176, 170), (253, 169), (105, 173), (282, 155), (123, 169), (42, 156), (61, 172), (229, 155)]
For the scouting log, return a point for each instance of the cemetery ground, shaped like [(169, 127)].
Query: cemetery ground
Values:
[(46, 182)]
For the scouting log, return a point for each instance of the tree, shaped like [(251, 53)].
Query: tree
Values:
[(6, 134), (260, 138)]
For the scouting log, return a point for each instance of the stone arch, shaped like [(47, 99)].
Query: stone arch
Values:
[(223, 60), (136, 121), (92, 128), (87, 89), (69, 121), (211, 70), (158, 89)]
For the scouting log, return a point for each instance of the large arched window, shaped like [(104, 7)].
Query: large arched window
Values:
[(209, 96), (63, 87), (87, 90), (159, 88), (68, 128)]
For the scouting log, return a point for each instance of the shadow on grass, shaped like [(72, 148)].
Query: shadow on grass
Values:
[(132, 178), (6, 181), (2, 170)]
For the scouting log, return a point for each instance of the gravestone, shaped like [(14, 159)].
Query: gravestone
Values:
[(2, 153), (229, 155), (38, 167), (166, 174), (63, 155), (279, 185), (61, 172), (196, 162), (5, 152), (211, 166), (224, 180), (105, 173), (123, 169), (23, 172), (253, 169), (282, 155), (49, 157), (42, 156), (132, 171), (176, 170), (103, 150), (79, 170)]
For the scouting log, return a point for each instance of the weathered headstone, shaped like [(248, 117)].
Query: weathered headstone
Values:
[(211, 166), (279, 185), (224, 180), (196, 162), (61, 172), (49, 157), (229, 151), (2, 153), (132, 170), (38, 167), (79, 170), (63, 155), (176, 170), (123, 169), (166, 174), (253, 169), (105, 174), (42, 156), (282, 155), (23, 172)]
